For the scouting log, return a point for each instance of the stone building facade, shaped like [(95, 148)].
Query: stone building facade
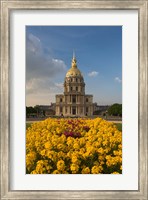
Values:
[(74, 101)]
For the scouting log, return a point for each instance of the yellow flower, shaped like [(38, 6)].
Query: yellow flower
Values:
[(74, 159), (115, 173), (76, 146), (86, 170), (56, 172), (74, 168), (48, 145), (95, 170), (60, 165), (101, 150), (50, 150)]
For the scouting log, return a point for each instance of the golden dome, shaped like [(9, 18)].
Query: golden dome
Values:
[(73, 71)]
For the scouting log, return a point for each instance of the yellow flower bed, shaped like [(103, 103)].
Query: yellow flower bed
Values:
[(73, 146)]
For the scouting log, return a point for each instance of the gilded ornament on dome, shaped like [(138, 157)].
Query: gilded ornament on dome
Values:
[(73, 71)]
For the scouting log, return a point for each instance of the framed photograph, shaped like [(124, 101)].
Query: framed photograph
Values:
[(79, 70)]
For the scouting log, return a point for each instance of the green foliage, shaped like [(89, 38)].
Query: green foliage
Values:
[(30, 111), (97, 112), (115, 110), (28, 125), (119, 126)]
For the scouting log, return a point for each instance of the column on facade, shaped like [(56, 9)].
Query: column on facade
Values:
[(63, 110), (68, 110), (69, 99), (59, 110), (79, 88), (83, 110), (78, 110), (82, 101), (64, 98), (91, 109), (56, 109)]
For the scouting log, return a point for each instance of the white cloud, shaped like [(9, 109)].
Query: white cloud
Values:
[(33, 44), (59, 85), (93, 74), (41, 68), (117, 79)]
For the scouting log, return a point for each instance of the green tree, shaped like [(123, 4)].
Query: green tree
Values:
[(115, 110), (30, 110), (38, 110)]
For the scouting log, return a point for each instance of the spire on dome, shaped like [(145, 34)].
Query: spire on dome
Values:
[(74, 61), (74, 57)]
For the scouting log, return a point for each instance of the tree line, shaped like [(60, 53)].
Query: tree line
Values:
[(30, 111), (115, 110)]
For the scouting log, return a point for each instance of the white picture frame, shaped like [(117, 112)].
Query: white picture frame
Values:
[(7, 7)]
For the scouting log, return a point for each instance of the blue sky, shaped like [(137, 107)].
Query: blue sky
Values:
[(98, 51)]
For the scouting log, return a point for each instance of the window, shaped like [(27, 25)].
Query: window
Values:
[(60, 99), (86, 99), (61, 109), (74, 99), (87, 109), (76, 80), (73, 110), (76, 88), (71, 88)]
